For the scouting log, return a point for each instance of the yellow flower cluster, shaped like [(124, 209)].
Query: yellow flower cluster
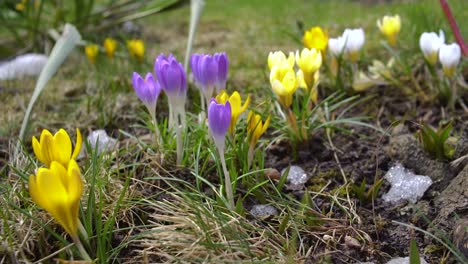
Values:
[(57, 188), (285, 81)]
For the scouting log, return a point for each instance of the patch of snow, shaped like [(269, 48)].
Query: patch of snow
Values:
[(405, 185), (263, 210), (296, 178), (404, 261), (102, 140), (30, 64)]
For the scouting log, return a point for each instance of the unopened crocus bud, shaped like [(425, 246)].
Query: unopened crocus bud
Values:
[(58, 190), (354, 40), (222, 61), (91, 51), (309, 61), (336, 46), (284, 82), (315, 38), (110, 45), (390, 26), (172, 78), (147, 90), (205, 73), (449, 56), (256, 127), (278, 57), (136, 48), (430, 44), (219, 119), (236, 106)]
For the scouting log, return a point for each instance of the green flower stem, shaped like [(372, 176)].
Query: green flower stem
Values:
[(157, 134), (227, 179), (80, 247)]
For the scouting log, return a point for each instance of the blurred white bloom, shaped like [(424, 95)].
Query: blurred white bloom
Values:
[(336, 46), (379, 70), (354, 40), (449, 56), (430, 44), (24, 65)]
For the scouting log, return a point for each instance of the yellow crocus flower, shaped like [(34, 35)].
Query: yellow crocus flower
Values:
[(316, 38), (110, 45), (255, 127), (236, 106), (309, 61), (284, 82), (390, 26), (278, 57), (91, 51), (58, 190), (57, 147), (136, 48)]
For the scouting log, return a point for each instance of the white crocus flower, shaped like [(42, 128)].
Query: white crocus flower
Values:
[(354, 40), (336, 46), (430, 44), (449, 56)]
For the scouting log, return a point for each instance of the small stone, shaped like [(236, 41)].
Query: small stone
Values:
[(272, 174), (263, 211), (102, 140), (351, 242), (405, 185), (404, 261), (296, 178), (460, 236)]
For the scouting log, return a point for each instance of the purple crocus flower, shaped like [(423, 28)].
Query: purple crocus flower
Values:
[(171, 76), (219, 119), (209, 72), (147, 90), (223, 66)]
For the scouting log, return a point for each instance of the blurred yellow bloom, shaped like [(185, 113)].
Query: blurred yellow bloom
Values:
[(58, 190), (91, 51), (278, 57), (19, 6), (236, 106), (110, 45), (136, 48), (390, 26), (316, 38), (255, 127), (284, 82), (57, 147), (309, 61)]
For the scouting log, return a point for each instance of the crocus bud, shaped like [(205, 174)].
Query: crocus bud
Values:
[(136, 48), (219, 119), (58, 190), (309, 61), (284, 82), (430, 44), (223, 66), (256, 127), (336, 46), (315, 38), (236, 106), (278, 57), (110, 45), (172, 78), (449, 56), (205, 73), (91, 51), (147, 90), (354, 40), (57, 147), (390, 26)]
